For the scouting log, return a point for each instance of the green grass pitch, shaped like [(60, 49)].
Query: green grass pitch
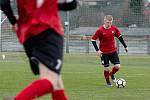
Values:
[(83, 77)]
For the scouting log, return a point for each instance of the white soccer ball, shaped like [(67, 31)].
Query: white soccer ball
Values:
[(120, 83)]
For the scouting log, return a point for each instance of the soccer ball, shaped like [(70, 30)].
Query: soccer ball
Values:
[(120, 83)]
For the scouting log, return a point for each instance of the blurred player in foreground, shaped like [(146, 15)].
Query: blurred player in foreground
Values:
[(39, 30), (107, 49)]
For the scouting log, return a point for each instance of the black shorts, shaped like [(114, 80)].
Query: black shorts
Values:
[(113, 58), (45, 48)]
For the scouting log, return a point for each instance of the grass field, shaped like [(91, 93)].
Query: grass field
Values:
[(83, 77)]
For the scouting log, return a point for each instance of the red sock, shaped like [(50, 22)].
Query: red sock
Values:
[(35, 89), (106, 75), (114, 70), (59, 95)]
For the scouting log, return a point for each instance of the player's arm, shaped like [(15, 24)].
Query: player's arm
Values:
[(123, 43), (95, 44), (99, 53), (93, 40), (68, 5), (119, 36), (6, 8)]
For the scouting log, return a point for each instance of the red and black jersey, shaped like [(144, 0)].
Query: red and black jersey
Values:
[(33, 20), (106, 38)]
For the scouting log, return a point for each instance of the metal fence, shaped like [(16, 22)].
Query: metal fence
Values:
[(133, 21)]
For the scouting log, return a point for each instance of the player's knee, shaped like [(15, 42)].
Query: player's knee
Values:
[(117, 66), (56, 84), (106, 68), (59, 85)]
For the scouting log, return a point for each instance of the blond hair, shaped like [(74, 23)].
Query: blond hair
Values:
[(108, 17)]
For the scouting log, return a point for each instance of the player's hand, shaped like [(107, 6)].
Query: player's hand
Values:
[(126, 49), (14, 28), (99, 53)]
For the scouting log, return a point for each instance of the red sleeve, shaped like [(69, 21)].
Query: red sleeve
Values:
[(96, 34), (117, 32)]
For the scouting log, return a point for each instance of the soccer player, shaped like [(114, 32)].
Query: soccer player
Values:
[(107, 49), (39, 29)]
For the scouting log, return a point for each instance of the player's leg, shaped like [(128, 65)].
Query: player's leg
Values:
[(59, 93), (58, 87), (49, 68), (105, 63), (49, 82), (39, 86), (35, 70), (114, 58)]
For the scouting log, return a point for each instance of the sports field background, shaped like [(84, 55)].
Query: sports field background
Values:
[(83, 77), (82, 73)]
